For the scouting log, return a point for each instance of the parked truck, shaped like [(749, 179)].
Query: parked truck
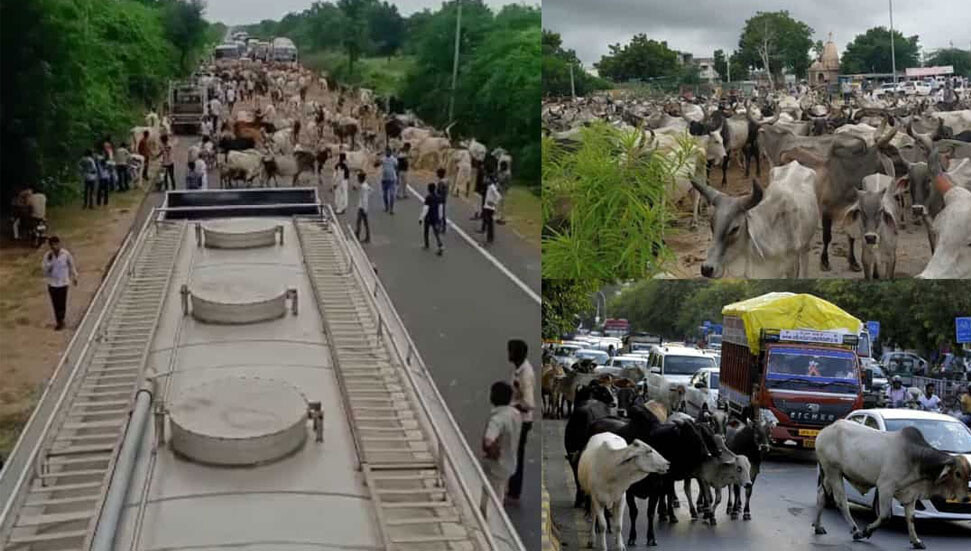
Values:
[(187, 105), (791, 359)]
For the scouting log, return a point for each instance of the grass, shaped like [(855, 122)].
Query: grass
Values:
[(384, 75), (524, 211)]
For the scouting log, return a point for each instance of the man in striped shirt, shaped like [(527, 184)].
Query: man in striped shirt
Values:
[(59, 271)]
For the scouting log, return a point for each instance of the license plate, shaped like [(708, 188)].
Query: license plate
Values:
[(808, 432), (809, 443)]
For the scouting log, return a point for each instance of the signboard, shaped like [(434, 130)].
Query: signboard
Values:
[(963, 328), (810, 335), (930, 71), (873, 328)]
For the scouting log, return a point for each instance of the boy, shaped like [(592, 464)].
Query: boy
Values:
[(362, 205), (442, 189), (500, 438), (429, 218)]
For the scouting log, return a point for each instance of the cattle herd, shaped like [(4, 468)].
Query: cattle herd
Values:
[(866, 167), (293, 122), (640, 450)]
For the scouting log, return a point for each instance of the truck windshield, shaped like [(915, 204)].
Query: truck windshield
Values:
[(686, 365), (804, 369)]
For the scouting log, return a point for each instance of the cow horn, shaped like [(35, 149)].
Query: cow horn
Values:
[(885, 138), (748, 113), (756, 197), (448, 130), (710, 194)]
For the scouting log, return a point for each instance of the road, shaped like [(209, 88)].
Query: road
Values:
[(460, 310), (783, 507)]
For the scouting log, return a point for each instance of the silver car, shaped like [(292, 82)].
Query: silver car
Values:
[(942, 432)]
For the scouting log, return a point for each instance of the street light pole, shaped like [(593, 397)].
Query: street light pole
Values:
[(455, 61), (893, 56)]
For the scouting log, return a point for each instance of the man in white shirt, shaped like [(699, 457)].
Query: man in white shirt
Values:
[(215, 109), (524, 399), (492, 198), (501, 437), (362, 206), (928, 401), (59, 271)]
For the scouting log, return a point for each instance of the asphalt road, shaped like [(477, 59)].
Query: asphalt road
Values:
[(460, 310), (783, 509)]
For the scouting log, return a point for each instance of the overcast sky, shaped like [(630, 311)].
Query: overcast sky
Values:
[(242, 12), (703, 26)]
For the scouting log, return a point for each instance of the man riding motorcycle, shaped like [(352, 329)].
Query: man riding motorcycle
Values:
[(896, 393)]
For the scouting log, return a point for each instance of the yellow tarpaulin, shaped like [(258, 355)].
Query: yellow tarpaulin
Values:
[(789, 311)]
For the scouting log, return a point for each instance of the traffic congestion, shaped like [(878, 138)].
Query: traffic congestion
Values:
[(780, 407)]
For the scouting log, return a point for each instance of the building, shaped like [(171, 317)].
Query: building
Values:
[(824, 70), (706, 68)]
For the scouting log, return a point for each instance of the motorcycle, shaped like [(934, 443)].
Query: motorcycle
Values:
[(38, 234)]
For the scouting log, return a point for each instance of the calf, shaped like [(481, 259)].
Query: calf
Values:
[(608, 466), (764, 234), (727, 469), (874, 218), (752, 441), (900, 464)]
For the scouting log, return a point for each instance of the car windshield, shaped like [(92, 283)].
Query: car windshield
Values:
[(947, 436), (713, 380), (565, 351), (812, 369), (686, 365)]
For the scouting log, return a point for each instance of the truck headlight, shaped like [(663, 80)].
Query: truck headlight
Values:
[(769, 417)]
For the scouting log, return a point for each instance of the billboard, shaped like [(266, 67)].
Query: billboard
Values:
[(930, 71)]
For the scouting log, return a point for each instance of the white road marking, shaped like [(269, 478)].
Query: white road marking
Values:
[(495, 261)]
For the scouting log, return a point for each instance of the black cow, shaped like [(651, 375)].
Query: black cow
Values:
[(751, 440), (592, 402), (227, 144)]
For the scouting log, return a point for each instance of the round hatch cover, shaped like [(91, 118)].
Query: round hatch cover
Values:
[(240, 233), (237, 297), (238, 421)]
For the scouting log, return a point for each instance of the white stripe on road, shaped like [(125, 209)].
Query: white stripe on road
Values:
[(495, 261)]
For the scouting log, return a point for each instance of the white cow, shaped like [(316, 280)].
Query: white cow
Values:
[(242, 165), (765, 234), (952, 226), (874, 220), (900, 464), (608, 466), (475, 148), (958, 121)]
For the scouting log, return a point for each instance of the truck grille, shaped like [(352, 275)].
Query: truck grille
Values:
[(813, 414)]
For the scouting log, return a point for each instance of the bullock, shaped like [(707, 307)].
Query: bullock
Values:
[(900, 464), (752, 441), (243, 166), (874, 219), (226, 144), (739, 134), (287, 165), (592, 402), (952, 256), (608, 466), (764, 234), (346, 127), (957, 121), (839, 171)]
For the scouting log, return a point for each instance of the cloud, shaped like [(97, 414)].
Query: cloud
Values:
[(703, 26), (243, 12)]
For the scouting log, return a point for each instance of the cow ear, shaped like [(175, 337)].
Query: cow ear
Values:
[(901, 185), (945, 472), (888, 219)]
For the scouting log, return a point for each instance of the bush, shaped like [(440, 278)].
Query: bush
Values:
[(603, 206)]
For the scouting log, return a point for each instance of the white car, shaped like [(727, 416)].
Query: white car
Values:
[(702, 391), (679, 363), (941, 431), (563, 354)]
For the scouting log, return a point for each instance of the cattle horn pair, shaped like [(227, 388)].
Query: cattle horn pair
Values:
[(884, 139)]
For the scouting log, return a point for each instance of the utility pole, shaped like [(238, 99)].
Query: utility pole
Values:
[(455, 61), (893, 56), (573, 89)]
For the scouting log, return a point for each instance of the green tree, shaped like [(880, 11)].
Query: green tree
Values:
[(556, 69), (775, 41), (870, 52), (386, 28), (564, 301), (353, 29), (641, 58), (185, 27), (721, 65), (959, 59)]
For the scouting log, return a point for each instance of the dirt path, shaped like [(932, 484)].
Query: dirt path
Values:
[(690, 246)]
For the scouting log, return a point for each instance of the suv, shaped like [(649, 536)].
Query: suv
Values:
[(678, 363), (905, 364)]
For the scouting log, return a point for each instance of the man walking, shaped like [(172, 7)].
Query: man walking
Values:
[(492, 198), (59, 271), (442, 189), (341, 175), (168, 163), (146, 152), (89, 172), (523, 382), (499, 441), (362, 205), (121, 166), (389, 171), (429, 218), (402, 185)]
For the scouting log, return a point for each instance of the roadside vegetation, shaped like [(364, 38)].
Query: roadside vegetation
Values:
[(409, 61), (75, 71), (604, 208)]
